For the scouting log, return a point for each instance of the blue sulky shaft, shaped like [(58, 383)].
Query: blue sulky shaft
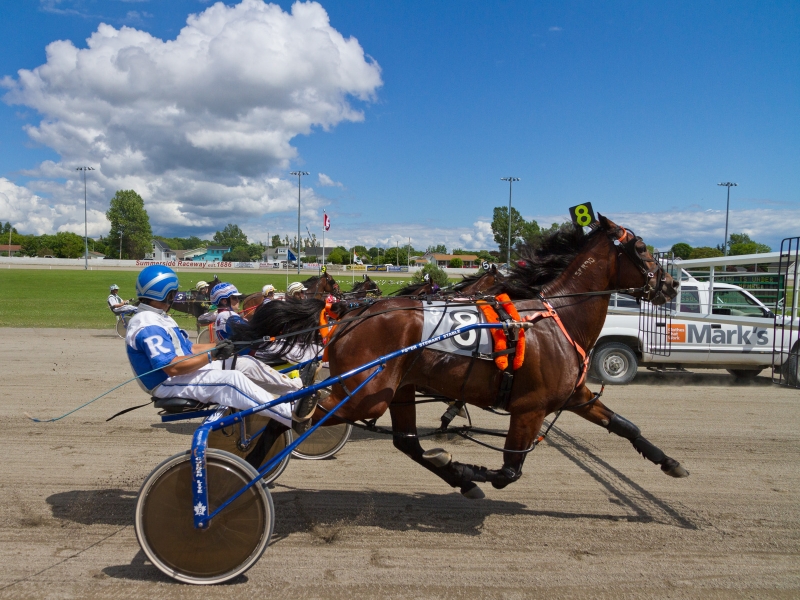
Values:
[(200, 438)]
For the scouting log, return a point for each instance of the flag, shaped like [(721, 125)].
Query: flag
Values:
[(291, 254), (326, 221)]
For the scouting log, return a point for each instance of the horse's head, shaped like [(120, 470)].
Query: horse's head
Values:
[(635, 261), (330, 284)]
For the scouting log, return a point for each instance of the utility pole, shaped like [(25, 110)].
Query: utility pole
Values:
[(299, 175), (120, 244), (728, 185), (85, 220), (510, 181)]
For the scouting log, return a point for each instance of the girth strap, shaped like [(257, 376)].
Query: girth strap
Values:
[(550, 312)]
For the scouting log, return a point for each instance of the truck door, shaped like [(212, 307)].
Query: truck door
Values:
[(740, 344), (690, 339)]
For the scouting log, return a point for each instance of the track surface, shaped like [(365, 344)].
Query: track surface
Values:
[(588, 519)]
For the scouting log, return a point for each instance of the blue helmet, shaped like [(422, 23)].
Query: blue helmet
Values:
[(222, 291), (155, 282)]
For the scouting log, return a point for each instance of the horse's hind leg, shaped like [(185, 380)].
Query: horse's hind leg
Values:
[(599, 414)]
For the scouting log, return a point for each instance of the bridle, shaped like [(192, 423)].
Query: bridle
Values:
[(651, 269), (626, 245)]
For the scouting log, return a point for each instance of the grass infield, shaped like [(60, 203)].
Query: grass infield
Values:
[(77, 299)]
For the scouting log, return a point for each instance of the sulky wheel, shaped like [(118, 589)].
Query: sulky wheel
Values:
[(228, 439), (204, 337), (234, 540), (324, 442), (121, 327)]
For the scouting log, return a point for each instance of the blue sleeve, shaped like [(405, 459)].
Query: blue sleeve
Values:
[(156, 344)]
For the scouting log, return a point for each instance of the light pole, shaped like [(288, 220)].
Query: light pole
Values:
[(85, 220), (120, 244), (299, 175), (510, 181), (728, 185)]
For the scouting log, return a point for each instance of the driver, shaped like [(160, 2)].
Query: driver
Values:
[(269, 293), (296, 290), (202, 290), (117, 305), (157, 350)]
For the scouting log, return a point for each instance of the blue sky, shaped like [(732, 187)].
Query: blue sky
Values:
[(640, 108)]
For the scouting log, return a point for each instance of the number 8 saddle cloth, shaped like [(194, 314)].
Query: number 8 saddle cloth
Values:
[(443, 317)]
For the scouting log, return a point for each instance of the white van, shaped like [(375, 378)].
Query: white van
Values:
[(732, 330)]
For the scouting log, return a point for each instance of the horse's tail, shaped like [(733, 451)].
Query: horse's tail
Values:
[(292, 316)]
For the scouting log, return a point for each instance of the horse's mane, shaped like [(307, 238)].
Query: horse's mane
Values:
[(312, 279), (542, 262), (276, 318), (410, 290)]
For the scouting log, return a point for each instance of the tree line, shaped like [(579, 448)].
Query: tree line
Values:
[(130, 237), (738, 244)]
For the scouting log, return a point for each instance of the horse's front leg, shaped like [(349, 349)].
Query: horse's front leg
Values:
[(599, 414), (438, 461)]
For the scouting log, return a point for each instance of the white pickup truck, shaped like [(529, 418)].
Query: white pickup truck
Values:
[(732, 331)]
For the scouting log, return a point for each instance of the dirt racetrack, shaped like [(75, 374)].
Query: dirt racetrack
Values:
[(588, 519)]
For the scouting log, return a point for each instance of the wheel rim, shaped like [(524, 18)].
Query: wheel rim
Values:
[(615, 365), (324, 442), (121, 328), (228, 441), (234, 539)]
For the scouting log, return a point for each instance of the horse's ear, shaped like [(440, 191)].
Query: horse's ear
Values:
[(607, 224), (364, 276)]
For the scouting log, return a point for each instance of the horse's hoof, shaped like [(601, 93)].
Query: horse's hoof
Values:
[(438, 457), (674, 469), (472, 491)]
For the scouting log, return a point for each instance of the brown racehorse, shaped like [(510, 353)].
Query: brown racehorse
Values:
[(468, 286), (424, 288), (318, 287), (474, 284), (566, 269), (192, 302), (365, 287)]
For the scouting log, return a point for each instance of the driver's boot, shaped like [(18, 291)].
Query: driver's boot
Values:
[(303, 411)]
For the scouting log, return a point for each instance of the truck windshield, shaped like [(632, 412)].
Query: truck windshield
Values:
[(734, 302), (690, 300)]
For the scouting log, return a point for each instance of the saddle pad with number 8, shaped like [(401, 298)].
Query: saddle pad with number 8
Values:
[(455, 316)]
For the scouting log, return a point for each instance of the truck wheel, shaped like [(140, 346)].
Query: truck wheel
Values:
[(744, 373), (791, 368), (614, 363)]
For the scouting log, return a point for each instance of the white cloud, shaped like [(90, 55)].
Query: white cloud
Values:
[(31, 213), (556, 29), (199, 125), (326, 181), (480, 237)]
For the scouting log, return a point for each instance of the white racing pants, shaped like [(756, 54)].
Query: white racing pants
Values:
[(250, 384)]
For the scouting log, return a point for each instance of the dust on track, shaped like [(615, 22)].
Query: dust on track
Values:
[(589, 518)]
